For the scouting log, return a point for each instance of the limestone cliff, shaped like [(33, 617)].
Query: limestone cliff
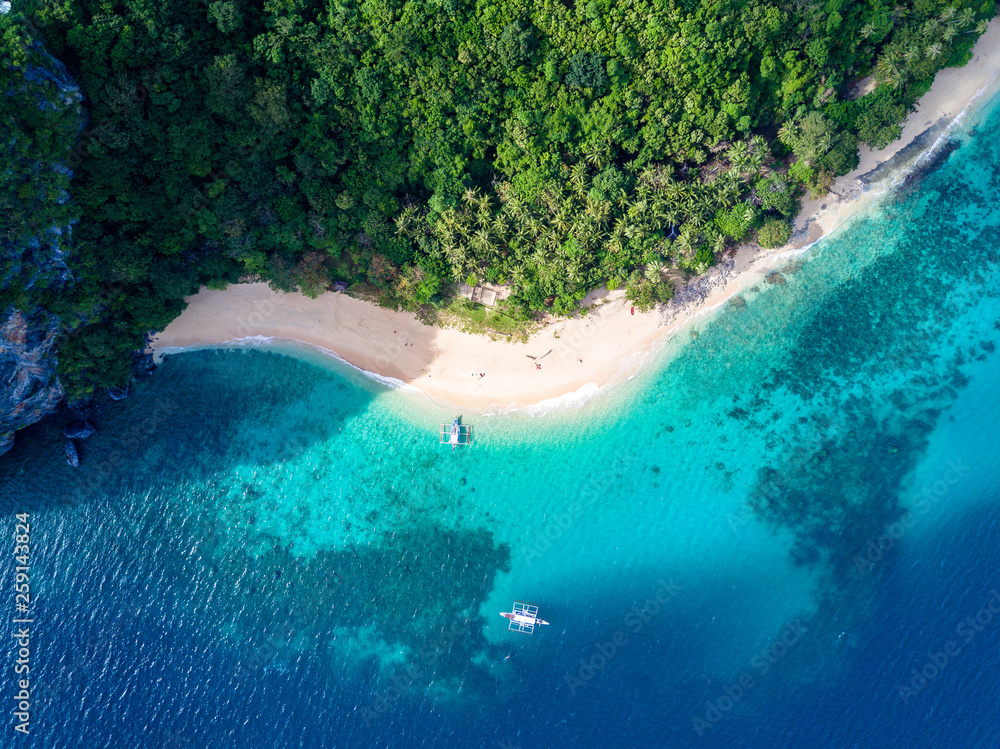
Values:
[(40, 119), (29, 388)]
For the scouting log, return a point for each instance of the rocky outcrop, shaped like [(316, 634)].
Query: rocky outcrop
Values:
[(79, 429), (72, 456), (29, 388)]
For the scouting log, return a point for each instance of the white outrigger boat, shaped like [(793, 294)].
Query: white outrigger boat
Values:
[(524, 617), (458, 434)]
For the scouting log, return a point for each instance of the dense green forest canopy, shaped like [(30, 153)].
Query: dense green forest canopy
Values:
[(401, 145)]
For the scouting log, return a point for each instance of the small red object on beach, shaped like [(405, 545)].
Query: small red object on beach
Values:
[(633, 310)]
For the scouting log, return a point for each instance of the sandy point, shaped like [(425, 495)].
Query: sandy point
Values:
[(451, 367)]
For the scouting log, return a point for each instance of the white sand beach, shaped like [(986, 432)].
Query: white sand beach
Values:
[(605, 346)]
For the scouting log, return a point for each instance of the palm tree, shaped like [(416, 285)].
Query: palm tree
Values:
[(463, 224), (654, 273), (405, 219), (552, 238), (457, 255), (675, 192), (633, 231), (982, 26), (534, 226), (578, 177), (500, 227), (539, 256), (514, 209), (758, 152), (685, 242), (574, 272), (700, 208), (667, 174), (644, 190), (737, 155), (449, 218), (638, 208), (596, 155), (934, 50), (788, 133), (965, 17), (719, 243), (727, 195), (888, 65), (599, 212), (867, 30), (670, 215), (482, 242), (517, 276), (561, 220), (696, 217)]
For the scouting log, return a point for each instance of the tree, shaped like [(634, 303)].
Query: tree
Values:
[(516, 45), (774, 233), (226, 15), (809, 136), (737, 221), (879, 123), (775, 194), (586, 70)]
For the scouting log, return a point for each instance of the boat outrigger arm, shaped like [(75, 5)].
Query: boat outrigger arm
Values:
[(524, 617), (457, 434)]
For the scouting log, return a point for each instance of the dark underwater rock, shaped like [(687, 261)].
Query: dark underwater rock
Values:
[(118, 393), (79, 429), (72, 456)]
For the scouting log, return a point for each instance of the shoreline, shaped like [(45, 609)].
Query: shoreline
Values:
[(568, 360)]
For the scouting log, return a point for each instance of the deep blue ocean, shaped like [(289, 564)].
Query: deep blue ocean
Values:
[(783, 533)]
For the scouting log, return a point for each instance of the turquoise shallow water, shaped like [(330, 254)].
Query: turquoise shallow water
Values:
[(263, 548)]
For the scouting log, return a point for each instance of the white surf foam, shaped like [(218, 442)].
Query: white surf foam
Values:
[(275, 342)]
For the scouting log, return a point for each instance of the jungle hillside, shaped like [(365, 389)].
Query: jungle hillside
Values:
[(402, 146)]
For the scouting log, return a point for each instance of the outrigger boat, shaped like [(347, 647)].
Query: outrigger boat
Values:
[(458, 434), (524, 617)]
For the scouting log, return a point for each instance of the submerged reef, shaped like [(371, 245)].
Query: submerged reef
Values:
[(877, 363)]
